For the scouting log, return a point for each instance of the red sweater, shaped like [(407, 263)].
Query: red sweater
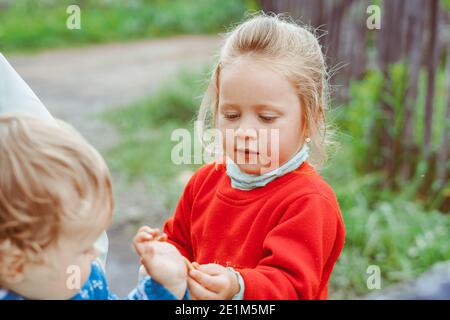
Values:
[(283, 239)]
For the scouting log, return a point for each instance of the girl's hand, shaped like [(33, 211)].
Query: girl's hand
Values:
[(212, 282)]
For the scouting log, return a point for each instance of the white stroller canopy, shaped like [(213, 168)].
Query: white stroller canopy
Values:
[(15, 95)]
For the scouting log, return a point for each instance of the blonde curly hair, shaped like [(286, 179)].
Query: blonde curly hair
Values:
[(296, 53), (51, 181)]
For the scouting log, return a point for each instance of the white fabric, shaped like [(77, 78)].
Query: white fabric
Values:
[(15, 95), (244, 181), (3, 293), (240, 294)]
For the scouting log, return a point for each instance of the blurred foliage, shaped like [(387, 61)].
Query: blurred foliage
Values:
[(31, 25), (143, 127), (360, 114), (363, 107), (446, 4), (383, 228)]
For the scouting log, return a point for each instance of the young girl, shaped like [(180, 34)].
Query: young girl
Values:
[(256, 233)]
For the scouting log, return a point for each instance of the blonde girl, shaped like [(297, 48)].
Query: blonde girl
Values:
[(254, 233)]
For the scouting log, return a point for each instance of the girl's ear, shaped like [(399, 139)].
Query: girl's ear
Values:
[(304, 130)]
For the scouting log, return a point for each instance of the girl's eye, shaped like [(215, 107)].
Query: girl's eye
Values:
[(231, 116), (267, 118)]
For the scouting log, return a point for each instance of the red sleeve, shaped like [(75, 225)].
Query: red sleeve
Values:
[(178, 226), (300, 252)]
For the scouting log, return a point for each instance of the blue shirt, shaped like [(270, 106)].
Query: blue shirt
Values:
[(96, 288)]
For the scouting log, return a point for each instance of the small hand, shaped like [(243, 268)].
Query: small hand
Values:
[(146, 233), (212, 282), (161, 260)]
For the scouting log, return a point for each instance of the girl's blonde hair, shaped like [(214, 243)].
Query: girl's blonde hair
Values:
[(295, 52), (51, 181)]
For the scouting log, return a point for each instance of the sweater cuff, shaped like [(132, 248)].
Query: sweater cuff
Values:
[(240, 294)]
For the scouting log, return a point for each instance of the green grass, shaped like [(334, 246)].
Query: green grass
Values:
[(383, 229), (28, 25)]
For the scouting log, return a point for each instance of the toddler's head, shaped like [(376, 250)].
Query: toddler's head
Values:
[(270, 77), (55, 202)]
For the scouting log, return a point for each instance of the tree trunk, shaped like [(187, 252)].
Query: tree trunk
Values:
[(414, 48), (431, 70)]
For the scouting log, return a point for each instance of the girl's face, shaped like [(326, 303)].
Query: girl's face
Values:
[(258, 115)]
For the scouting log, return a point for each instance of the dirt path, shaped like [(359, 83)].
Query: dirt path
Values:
[(76, 84)]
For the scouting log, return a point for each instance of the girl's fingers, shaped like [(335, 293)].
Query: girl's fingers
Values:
[(163, 237), (198, 292), (207, 281), (188, 264), (211, 269), (156, 231)]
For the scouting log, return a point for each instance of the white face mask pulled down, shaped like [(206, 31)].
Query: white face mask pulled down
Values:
[(244, 181)]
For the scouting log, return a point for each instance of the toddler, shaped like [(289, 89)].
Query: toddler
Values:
[(55, 202)]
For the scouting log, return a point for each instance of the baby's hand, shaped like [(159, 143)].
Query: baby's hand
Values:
[(146, 233), (162, 261), (212, 282)]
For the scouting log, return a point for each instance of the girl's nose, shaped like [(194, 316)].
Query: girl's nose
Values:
[(246, 133)]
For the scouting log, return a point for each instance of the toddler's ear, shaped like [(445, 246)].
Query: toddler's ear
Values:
[(13, 272)]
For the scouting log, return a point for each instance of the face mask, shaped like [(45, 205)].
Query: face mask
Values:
[(244, 181)]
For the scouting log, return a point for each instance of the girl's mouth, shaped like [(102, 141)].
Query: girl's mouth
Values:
[(247, 151)]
